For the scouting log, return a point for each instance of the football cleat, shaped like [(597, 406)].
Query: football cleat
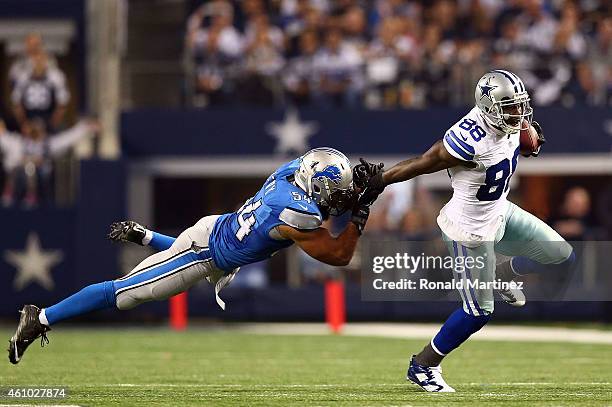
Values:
[(127, 231), (427, 378), (28, 330), (513, 296)]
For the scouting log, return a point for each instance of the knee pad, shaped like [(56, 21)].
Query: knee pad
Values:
[(131, 298), (125, 302), (524, 265), (564, 253)]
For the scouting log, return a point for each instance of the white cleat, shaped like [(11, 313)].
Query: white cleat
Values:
[(513, 296), (428, 378)]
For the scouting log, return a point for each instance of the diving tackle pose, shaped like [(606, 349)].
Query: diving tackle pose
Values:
[(288, 209), (480, 152)]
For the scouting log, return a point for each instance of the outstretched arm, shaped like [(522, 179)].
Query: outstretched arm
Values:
[(321, 245), (435, 159), (61, 142)]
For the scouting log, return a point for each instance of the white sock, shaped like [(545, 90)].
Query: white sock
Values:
[(42, 318), (147, 237)]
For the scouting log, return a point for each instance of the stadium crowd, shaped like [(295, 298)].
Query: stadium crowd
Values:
[(397, 53)]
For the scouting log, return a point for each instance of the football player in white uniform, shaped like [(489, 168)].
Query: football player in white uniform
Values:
[(480, 152)]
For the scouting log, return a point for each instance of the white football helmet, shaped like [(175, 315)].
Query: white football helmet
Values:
[(503, 100), (325, 175)]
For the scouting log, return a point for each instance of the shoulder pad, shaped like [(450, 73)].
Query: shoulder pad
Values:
[(458, 145), (301, 219)]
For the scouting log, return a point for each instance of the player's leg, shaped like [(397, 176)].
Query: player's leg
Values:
[(157, 277), (478, 305), (130, 231), (535, 246)]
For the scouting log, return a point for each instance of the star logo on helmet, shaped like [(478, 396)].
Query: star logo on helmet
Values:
[(485, 90), (331, 172)]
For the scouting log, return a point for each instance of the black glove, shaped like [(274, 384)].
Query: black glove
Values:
[(360, 216), (364, 171), (373, 188), (126, 231), (541, 138)]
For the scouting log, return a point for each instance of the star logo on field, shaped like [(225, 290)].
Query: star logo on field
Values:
[(291, 134), (33, 264), (485, 90)]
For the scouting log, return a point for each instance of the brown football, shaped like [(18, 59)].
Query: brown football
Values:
[(528, 139)]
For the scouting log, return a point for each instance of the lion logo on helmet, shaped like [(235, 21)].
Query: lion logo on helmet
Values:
[(331, 172)]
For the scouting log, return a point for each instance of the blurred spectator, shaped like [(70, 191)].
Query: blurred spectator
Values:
[(11, 159), (582, 89), (299, 78), (384, 65), (434, 65), (575, 221), (40, 92), (215, 48), (354, 25), (389, 8), (249, 9), (414, 226), (298, 19), (569, 40), (337, 66), (28, 160), (263, 61), (511, 50), (443, 14), (32, 46), (260, 25), (599, 52)]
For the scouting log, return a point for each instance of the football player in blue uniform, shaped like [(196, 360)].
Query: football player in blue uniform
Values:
[(288, 209)]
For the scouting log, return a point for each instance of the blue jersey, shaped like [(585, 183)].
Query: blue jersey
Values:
[(247, 235)]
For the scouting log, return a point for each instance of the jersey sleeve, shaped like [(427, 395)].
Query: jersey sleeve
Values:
[(300, 216), (458, 145)]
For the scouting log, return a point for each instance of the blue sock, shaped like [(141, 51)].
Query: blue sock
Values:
[(524, 265), (91, 298), (456, 330), (161, 242)]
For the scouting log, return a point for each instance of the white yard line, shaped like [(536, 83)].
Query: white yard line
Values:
[(420, 331)]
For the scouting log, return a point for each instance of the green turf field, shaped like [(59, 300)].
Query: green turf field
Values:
[(158, 367)]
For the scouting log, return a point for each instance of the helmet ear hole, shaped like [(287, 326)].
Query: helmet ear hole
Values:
[(316, 188)]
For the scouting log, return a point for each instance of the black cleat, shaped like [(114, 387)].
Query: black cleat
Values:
[(28, 330), (127, 231)]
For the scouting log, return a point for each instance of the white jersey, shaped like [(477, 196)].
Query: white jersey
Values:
[(479, 194)]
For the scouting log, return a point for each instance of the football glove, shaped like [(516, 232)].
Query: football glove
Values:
[(127, 231), (541, 138), (364, 171), (374, 187), (360, 217)]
